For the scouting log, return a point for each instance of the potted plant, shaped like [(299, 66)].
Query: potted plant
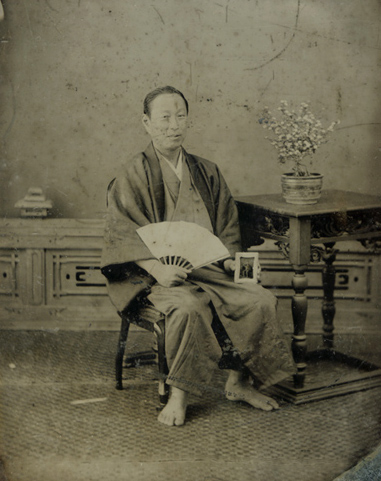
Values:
[(295, 136)]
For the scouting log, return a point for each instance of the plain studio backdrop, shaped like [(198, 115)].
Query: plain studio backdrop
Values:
[(74, 75)]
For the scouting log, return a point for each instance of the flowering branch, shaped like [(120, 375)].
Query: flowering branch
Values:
[(296, 135)]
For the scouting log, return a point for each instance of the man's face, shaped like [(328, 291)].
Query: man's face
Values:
[(168, 122)]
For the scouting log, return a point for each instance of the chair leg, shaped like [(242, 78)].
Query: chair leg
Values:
[(125, 326), (162, 361)]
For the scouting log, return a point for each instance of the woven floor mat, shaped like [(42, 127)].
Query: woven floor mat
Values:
[(62, 419)]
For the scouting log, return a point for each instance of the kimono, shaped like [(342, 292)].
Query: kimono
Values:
[(146, 192)]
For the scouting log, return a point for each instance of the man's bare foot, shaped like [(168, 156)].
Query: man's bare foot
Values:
[(239, 388), (173, 413)]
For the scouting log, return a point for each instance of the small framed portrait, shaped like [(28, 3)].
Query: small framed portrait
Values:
[(246, 267)]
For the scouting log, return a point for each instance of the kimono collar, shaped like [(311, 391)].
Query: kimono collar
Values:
[(178, 169), (156, 184)]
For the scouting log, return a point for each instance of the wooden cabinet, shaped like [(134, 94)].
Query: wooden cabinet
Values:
[(50, 276)]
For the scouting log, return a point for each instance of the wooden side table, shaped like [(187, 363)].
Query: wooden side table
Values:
[(298, 231)]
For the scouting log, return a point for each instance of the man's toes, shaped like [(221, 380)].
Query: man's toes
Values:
[(265, 406), (179, 421), (273, 403), (165, 419), (171, 419), (267, 403), (260, 401)]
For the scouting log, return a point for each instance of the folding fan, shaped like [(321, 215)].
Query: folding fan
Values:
[(183, 244)]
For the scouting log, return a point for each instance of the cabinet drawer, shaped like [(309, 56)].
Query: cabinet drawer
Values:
[(74, 274), (9, 262)]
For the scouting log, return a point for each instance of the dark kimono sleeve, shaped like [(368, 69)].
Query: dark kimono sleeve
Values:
[(129, 207)]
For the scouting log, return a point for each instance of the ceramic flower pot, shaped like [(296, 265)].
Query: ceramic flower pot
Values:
[(301, 190)]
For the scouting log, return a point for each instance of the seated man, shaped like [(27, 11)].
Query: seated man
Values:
[(165, 183)]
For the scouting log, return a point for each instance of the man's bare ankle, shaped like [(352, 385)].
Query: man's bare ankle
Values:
[(178, 394), (236, 378)]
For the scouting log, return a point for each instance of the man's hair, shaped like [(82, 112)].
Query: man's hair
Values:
[(160, 91)]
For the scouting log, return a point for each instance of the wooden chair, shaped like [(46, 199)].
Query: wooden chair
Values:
[(149, 318)]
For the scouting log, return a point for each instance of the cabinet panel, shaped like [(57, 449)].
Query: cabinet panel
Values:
[(9, 261), (73, 274), (32, 277)]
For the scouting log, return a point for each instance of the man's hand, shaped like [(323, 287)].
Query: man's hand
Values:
[(169, 276), (229, 266)]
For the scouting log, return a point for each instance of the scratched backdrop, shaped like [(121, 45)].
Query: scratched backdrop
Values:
[(74, 74)]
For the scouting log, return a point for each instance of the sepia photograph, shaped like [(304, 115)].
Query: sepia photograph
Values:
[(247, 267), (190, 239)]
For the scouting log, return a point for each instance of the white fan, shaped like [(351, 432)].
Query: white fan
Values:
[(183, 244)]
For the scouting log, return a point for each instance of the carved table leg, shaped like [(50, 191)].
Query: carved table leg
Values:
[(299, 314), (328, 307), (299, 254)]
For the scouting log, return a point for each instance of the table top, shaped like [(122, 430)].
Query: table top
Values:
[(331, 201)]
